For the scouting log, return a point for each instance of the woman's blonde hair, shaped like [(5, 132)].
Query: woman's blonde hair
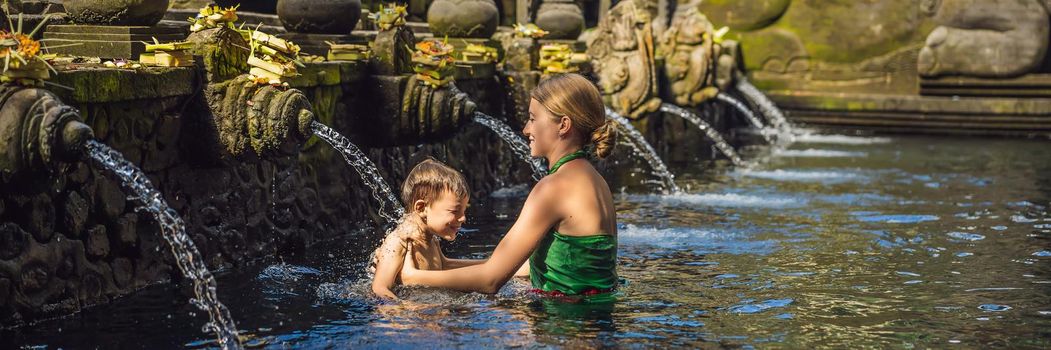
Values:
[(573, 96), (427, 181)]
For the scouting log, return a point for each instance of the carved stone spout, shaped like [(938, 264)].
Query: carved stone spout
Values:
[(260, 118), (622, 53), (37, 132), (400, 110)]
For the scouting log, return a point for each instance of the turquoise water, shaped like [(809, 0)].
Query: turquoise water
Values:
[(833, 242)]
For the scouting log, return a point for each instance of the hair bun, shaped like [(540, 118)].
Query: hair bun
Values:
[(604, 138)]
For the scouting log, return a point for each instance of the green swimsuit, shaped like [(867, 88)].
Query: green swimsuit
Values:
[(574, 265)]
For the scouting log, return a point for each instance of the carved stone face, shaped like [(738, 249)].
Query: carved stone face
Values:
[(690, 50), (622, 55)]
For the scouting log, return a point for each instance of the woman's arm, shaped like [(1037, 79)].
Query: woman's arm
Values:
[(450, 264), (523, 271), (536, 219), (389, 259)]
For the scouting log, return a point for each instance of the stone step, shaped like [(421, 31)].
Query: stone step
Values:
[(1032, 85), (999, 116), (126, 42)]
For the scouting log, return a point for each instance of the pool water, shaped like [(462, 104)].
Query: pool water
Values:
[(834, 242)]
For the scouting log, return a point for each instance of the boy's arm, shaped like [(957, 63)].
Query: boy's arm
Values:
[(389, 259)]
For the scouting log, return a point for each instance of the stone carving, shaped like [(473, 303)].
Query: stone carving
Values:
[(39, 132), (401, 107), (690, 56), (985, 38), (223, 50), (427, 111), (622, 54), (463, 18), (319, 16), (116, 12), (392, 50), (260, 117), (727, 55), (563, 19)]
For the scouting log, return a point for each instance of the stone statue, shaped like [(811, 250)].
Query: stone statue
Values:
[(690, 56), (727, 56), (985, 38), (622, 54)]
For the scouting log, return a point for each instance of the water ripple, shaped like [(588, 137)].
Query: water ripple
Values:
[(760, 306)]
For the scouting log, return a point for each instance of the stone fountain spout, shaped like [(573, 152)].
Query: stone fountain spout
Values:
[(402, 110), (250, 117), (38, 132), (398, 108)]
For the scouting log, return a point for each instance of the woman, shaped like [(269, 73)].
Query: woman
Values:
[(568, 226)]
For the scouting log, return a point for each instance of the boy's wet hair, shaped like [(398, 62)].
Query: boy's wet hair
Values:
[(428, 180)]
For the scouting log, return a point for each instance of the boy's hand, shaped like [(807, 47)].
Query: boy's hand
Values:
[(385, 294)]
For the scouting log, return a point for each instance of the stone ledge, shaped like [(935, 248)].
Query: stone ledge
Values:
[(328, 74), (97, 84)]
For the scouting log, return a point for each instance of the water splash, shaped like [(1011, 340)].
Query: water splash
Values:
[(811, 137), (645, 150), (172, 228), (831, 177), (390, 209), (727, 200), (766, 106), (817, 153), (712, 134), (748, 114), (518, 145)]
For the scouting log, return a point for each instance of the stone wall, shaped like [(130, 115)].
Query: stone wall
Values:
[(875, 46), (73, 239)]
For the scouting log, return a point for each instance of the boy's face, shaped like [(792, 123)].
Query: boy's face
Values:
[(446, 215)]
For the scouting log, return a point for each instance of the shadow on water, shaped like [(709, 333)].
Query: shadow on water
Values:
[(840, 242)]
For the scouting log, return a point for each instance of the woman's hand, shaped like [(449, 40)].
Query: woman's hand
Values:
[(408, 268)]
